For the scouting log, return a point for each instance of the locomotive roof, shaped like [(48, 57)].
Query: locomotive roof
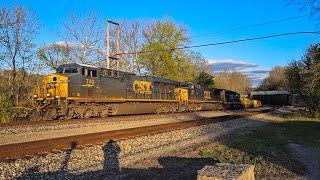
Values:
[(86, 65), (77, 65)]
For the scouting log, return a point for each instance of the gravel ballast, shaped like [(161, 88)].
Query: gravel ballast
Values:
[(131, 155), (17, 134)]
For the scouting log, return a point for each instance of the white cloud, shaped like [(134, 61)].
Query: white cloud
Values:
[(76, 45), (251, 69), (256, 75), (229, 64)]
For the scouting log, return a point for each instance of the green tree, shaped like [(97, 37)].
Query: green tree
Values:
[(204, 78), (162, 58), (159, 64), (6, 113), (304, 78)]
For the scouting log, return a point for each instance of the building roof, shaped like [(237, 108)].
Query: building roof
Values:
[(269, 93)]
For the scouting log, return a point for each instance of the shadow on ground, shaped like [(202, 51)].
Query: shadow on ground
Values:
[(266, 147), (170, 168)]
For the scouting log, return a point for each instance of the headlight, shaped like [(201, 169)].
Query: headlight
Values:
[(48, 95)]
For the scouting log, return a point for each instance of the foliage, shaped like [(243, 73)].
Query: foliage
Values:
[(233, 80), (276, 80), (160, 64), (6, 114), (160, 55), (82, 40), (27, 82), (204, 78), (19, 27), (266, 147), (304, 78)]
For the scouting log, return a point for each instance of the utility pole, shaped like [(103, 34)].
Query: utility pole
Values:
[(108, 45), (118, 48), (117, 55)]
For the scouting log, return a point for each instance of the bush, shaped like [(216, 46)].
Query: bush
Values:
[(6, 114)]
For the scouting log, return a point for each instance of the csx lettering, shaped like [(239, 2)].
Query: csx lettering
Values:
[(142, 87)]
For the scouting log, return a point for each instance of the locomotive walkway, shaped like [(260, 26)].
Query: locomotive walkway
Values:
[(20, 150)]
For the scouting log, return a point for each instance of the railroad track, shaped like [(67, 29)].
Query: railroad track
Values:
[(20, 150), (87, 120)]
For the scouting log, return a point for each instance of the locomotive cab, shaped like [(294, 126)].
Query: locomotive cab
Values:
[(50, 98)]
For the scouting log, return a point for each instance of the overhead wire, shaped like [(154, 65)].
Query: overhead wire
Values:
[(225, 42), (249, 26)]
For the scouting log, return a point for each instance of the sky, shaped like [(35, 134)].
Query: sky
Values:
[(255, 58)]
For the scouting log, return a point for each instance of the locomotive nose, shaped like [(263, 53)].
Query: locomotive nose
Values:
[(53, 85)]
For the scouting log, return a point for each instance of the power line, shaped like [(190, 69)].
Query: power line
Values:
[(249, 26), (225, 42)]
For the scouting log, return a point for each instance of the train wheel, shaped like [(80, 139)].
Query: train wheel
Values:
[(88, 113), (104, 113), (70, 114)]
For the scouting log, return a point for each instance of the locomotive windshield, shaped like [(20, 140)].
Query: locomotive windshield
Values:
[(67, 70)]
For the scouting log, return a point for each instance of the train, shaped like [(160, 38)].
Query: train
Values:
[(84, 91), (250, 103)]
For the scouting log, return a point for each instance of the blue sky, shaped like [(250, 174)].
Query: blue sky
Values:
[(202, 17)]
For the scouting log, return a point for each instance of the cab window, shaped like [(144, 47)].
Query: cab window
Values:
[(71, 70), (67, 70)]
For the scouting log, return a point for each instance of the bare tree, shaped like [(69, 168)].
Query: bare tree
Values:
[(131, 37), (55, 54), (201, 65), (276, 80), (85, 35), (233, 80), (17, 48), (3, 20), (312, 6)]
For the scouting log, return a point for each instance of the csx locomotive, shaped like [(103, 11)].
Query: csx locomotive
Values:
[(84, 91)]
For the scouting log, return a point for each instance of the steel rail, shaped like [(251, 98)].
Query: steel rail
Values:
[(92, 120), (25, 149)]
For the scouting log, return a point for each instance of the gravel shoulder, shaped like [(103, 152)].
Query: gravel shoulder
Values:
[(18, 134), (10, 135), (145, 155)]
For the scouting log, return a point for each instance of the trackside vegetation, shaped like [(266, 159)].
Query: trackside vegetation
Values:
[(268, 147)]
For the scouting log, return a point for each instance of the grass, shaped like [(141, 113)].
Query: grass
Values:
[(304, 131), (266, 147)]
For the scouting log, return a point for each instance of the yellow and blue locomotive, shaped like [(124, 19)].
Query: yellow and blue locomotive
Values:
[(84, 91)]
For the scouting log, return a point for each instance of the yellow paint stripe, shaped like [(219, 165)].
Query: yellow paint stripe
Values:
[(119, 99), (200, 101), (131, 100)]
